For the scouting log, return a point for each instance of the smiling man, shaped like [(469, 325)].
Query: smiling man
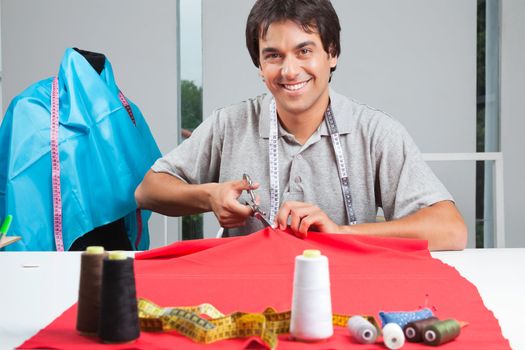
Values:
[(322, 161)]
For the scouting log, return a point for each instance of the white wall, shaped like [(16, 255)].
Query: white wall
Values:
[(414, 59), (513, 117), (226, 61), (138, 37)]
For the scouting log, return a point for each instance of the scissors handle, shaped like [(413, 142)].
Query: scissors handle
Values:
[(257, 212), (247, 178)]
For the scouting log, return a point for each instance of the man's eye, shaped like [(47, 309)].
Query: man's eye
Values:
[(272, 56), (304, 51)]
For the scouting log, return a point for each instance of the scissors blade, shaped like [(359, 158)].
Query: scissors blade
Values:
[(263, 219), (257, 213)]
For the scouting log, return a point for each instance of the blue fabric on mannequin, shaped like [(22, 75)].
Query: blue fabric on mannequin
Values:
[(103, 158)]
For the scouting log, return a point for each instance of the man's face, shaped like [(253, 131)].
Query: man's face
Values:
[(295, 67)]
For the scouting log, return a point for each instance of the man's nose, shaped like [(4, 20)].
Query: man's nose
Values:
[(290, 68)]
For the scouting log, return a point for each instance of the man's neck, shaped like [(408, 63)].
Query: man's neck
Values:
[(303, 125)]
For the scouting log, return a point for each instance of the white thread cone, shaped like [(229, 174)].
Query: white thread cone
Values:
[(311, 317)]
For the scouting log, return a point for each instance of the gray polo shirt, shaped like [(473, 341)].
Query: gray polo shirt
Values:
[(384, 165)]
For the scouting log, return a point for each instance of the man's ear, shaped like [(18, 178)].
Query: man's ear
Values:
[(261, 74), (333, 61), (332, 57)]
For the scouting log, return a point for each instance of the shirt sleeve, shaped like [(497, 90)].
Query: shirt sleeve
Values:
[(198, 158), (403, 179)]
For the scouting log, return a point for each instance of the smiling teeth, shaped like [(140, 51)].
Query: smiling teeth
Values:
[(294, 87)]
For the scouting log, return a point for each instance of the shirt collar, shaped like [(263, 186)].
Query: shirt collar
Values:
[(342, 117)]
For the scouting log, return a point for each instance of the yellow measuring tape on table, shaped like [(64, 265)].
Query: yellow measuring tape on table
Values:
[(188, 321)]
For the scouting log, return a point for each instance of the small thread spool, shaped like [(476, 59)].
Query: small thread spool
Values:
[(362, 330), (441, 332), (414, 330), (88, 307), (119, 321), (393, 336), (311, 318)]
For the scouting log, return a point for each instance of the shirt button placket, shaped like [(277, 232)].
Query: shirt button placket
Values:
[(295, 178)]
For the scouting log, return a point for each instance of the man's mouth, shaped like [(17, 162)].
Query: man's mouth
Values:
[(295, 86)]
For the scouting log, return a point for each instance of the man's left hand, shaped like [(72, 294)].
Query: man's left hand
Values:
[(304, 217)]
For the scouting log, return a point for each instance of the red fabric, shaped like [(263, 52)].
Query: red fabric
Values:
[(249, 273)]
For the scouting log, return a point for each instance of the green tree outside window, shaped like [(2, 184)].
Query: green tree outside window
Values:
[(191, 117)]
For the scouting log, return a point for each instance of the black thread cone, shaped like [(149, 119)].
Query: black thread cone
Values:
[(119, 321), (88, 309), (417, 328)]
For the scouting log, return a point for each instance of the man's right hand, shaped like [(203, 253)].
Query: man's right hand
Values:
[(225, 205), (169, 195)]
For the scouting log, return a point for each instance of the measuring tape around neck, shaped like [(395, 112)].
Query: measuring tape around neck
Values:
[(55, 168), (273, 152)]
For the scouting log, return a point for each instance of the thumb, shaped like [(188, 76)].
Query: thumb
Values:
[(242, 185)]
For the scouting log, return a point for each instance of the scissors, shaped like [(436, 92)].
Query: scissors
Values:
[(257, 212)]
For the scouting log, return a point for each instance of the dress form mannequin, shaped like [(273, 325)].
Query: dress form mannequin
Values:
[(97, 60), (111, 236)]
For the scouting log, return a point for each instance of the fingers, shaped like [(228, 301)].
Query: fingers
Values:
[(242, 185), (233, 206), (304, 217), (232, 223), (225, 205), (297, 213)]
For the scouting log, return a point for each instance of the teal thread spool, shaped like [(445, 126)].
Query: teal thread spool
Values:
[(441, 332), (414, 330)]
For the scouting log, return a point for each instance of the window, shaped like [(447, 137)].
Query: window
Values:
[(488, 115), (190, 89)]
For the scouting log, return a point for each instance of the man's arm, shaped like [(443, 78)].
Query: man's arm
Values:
[(169, 195), (440, 224)]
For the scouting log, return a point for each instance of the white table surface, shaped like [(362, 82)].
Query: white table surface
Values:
[(36, 287)]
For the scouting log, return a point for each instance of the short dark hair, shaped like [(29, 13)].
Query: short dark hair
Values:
[(312, 15)]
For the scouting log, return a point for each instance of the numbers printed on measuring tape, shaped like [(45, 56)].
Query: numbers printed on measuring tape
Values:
[(273, 156), (189, 322)]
